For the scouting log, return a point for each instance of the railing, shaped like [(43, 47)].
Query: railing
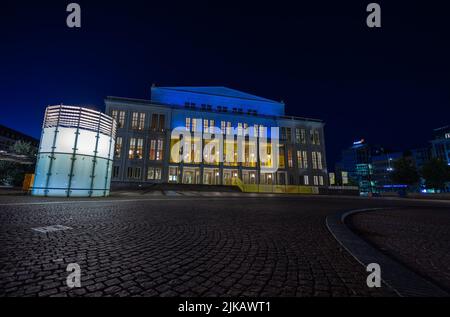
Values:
[(281, 189)]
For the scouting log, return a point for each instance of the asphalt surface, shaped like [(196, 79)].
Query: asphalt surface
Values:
[(181, 245)]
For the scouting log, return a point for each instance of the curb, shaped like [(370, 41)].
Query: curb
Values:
[(400, 279)]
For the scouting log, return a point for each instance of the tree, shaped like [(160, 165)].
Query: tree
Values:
[(436, 173), (404, 172), (13, 173)]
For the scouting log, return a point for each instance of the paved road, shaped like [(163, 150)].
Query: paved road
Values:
[(180, 246), (417, 237)]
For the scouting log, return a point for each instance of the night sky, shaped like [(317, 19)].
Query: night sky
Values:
[(389, 85)]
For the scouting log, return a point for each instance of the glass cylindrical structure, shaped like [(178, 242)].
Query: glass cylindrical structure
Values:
[(75, 154)]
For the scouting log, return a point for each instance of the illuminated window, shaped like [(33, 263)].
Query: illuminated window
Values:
[(132, 149), (239, 129), (299, 159), (205, 125), (290, 160), (306, 180), (173, 174), (319, 160), (222, 126), (134, 120), (314, 161), (315, 138), (303, 136), (228, 127), (152, 149), (140, 149), (211, 126), (316, 180), (195, 122), (344, 178), (119, 116), (160, 150), (332, 179), (188, 124), (281, 157), (158, 173), (262, 131), (245, 128), (321, 180), (118, 147), (305, 159), (297, 136), (151, 173), (141, 121)]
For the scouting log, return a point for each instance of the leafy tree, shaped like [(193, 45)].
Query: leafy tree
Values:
[(13, 173), (436, 173), (404, 172)]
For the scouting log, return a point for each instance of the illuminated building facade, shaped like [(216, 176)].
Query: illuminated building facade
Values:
[(209, 135)]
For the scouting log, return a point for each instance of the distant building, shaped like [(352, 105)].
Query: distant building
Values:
[(383, 166), (356, 162), (10, 136), (212, 117), (420, 156), (440, 145)]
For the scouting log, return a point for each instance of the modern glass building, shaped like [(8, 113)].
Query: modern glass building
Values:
[(210, 135), (75, 153)]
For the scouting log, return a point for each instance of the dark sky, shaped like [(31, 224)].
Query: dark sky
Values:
[(389, 85)]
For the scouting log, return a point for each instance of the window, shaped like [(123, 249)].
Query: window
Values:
[(315, 138), (239, 129), (118, 147), (306, 180), (188, 124), (141, 125), (222, 126), (116, 170), (314, 161), (132, 148), (289, 134), (332, 179), (152, 149), (245, 128), (134, 120), (154, 123), (119, 116), (158, 173), (195, 126), (262, 131), (305, 159), (136, 148), (173, 174), (211, 126), (205, 125), (228, 127), (151, 173), (316, 180), (140, 149), (134, 172), (321, 180), (299, 159), (290, 160), (256, 130), (319, 160), (297, 136), (162, 122), (160, 150), (286, 134), (344, 178), (303, 136)]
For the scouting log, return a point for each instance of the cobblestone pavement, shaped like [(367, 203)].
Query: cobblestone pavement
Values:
[(417, 237), (180, 246)]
